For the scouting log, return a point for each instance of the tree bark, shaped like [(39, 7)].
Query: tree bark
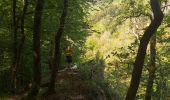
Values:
[(139, 62), (57, 53), (152, 68), (36, 49), (20, 43), (14, 61), (22, 40)]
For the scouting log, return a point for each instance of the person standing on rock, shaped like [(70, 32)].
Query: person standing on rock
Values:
[(68, 53)]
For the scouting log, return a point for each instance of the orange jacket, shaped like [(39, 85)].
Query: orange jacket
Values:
[(68, 52)]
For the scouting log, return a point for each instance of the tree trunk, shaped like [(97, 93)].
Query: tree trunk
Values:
[(36, 49), (57, 54), (139, 62), (14, 30), (152, 68), (22, 40)]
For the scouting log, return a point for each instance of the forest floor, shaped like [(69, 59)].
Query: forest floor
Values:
[(71, 85)]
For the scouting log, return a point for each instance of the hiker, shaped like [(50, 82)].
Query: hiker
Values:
[(68, 53)]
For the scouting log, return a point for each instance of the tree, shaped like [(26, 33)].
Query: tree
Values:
[(57, 53), (139, 62), (22, 26), (152, 68), (14, 31), (17, 45), (36, 49)]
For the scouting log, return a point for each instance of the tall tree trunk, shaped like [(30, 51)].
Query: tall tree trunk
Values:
[(57, 54), (22, 40), (14, 30), (36, 49), (152, 68), (138, 65)]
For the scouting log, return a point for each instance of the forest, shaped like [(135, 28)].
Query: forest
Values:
[(85, 50)]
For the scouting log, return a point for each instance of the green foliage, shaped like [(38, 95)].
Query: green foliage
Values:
[(75, 34), (116, 30), (104, 35)]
